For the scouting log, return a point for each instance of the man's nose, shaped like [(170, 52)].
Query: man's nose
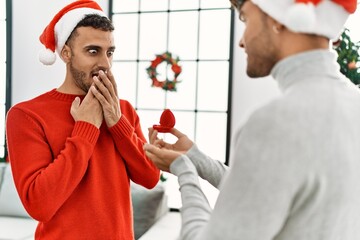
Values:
[(242, 43), (105, 62)]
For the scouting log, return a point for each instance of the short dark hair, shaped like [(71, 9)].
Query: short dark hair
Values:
[(95, 21), (237, 3)]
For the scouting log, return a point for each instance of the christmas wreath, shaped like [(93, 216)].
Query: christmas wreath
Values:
[(167, 84)]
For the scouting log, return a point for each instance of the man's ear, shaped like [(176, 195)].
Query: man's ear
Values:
[(66, 53), (274, 25), (278, 27)]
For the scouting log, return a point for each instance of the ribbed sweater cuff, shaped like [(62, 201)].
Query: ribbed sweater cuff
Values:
[(122, 128), (194, 152), (86, 130), (181, 165)]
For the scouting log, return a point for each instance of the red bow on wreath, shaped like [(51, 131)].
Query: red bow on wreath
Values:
[(167, 85)]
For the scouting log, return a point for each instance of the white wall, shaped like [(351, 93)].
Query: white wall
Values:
[(31, 78), (247, 93)]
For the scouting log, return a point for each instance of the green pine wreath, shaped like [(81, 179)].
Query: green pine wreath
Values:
[(166, 84)]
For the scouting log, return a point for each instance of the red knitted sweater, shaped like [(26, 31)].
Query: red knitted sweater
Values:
[(72, 177)]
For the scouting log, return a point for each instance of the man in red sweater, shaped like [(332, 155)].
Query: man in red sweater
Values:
[(74, 149)]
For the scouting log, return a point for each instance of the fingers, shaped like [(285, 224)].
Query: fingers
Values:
[(106, 91), (109, 91), (88, 110), (108, 80), (176, 133), (153, 135), (161, 144), (156, 155), (158, 162), (90, 94), (107, 96), (151, 149), (106, 85), (154, 140), (161, 157), (112, 81), (74, 106), (102, 92)]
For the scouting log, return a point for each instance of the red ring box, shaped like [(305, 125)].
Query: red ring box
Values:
[(167, 122)]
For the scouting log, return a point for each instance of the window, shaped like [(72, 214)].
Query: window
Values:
[(353, 25), (199, 32), (5, 47)]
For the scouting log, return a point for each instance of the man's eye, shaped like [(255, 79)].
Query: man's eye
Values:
[(242, 18), (110, 53), (92, 51)]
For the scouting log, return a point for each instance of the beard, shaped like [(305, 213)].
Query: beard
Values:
[(259, 66), (79, 78), (262, 55)]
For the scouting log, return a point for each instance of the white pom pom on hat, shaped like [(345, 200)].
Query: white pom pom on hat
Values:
[(301, 16), (59, 29), (47, 57), (320, 17)]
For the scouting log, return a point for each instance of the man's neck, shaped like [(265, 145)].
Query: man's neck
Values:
[(70, 89), (294, 43)]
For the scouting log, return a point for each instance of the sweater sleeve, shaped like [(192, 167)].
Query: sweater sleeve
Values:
[(37, 173), (209, 169), (255, 196), (129, 140), (195, 211)]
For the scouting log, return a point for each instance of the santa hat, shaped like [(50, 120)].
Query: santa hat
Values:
[(61, 26), (320, 17)]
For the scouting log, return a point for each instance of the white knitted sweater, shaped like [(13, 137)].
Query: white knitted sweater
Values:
[(294, 167)]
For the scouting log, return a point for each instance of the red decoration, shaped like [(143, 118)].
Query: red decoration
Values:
[(352, 65), (167, 122), (167, 85)]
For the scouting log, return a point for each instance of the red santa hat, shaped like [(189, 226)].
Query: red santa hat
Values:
[(320, 17), (61, 26)]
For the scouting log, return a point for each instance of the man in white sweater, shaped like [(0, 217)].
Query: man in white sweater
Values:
[(295, 165)]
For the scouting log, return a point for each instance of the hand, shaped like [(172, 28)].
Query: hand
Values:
[(89, 110), (161, 157), (106, 92), (183, 144)]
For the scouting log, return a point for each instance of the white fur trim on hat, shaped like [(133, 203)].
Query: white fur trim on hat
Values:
[(61, 26), (301, 16), (68, 22), (325, 19)]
